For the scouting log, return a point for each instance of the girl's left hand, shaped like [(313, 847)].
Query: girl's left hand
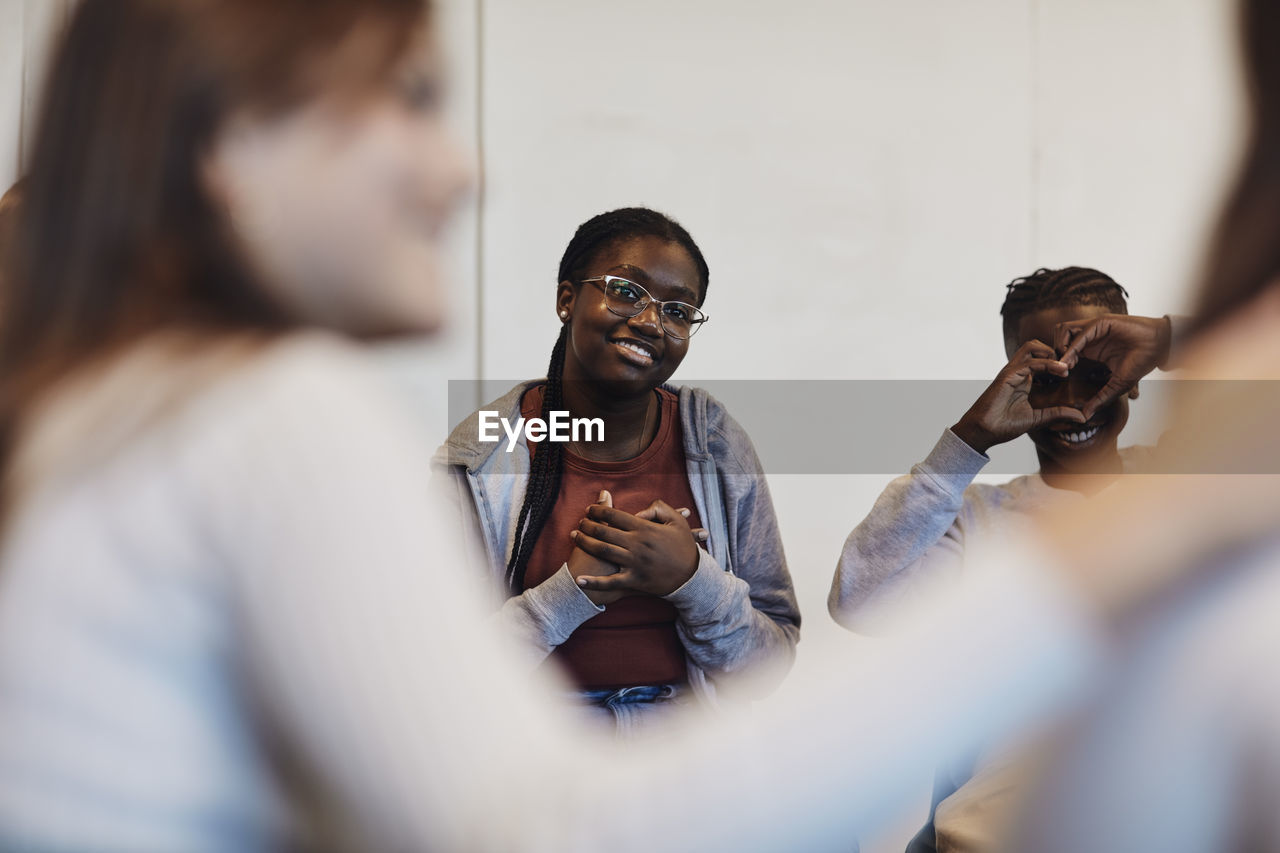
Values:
[(654, 549)]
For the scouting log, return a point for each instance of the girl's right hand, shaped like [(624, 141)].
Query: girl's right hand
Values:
[(1004, 412)]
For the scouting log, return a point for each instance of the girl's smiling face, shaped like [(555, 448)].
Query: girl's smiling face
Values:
[(1073, 447), (627, 356)]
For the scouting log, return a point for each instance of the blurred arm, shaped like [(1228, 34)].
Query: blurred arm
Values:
[(369, 650)]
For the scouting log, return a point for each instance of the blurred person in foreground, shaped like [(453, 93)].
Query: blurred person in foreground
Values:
[(230, 617), (1181, 751)]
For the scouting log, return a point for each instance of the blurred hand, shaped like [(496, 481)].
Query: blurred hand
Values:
[(1217, 480), (1130, 346), (1003, 412), (654, 549), (1224, 411)]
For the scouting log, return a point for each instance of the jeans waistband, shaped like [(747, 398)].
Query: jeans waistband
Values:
[(629, 695)]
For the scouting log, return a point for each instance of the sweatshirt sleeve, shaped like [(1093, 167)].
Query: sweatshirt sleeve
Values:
[(723, 631), (540, 618), (543, 617), (911, 536)]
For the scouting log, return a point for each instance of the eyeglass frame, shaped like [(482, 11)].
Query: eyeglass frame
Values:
[(644, 302)]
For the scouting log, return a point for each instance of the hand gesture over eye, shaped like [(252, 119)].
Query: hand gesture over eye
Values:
[(1131, 347), (1004, 410)]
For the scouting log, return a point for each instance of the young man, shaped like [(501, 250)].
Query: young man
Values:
[(1074, 358)]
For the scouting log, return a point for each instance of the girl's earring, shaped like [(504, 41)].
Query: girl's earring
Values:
[(564, 315)]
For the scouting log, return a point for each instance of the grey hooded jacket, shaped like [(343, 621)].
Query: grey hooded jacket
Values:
[(738, 611)]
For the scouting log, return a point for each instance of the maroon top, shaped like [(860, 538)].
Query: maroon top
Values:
[(634, 641)]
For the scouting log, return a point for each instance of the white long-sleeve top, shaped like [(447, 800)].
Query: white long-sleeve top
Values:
[(230, 616), (1181, 753)]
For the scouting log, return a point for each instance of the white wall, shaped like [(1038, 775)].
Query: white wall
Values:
[(25, 29), (863, 176)]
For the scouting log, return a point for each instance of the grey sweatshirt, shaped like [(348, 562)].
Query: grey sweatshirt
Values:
[(916, 533), (738, 611), (914, 537)]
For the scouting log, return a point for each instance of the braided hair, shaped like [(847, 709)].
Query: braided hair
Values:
[(596, 235), (1046, 288)]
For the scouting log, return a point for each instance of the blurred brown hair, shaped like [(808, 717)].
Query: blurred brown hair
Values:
[(1244, 254), (10, 200), (9, 203), (117, 238)]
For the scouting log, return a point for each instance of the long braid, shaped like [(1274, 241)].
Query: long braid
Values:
[(592, 237), (1047, 288), (544, 474)]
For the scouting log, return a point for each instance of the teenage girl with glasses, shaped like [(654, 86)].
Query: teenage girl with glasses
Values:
[(598, 543)]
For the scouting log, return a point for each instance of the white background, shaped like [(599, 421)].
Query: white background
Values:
[(863, 176)]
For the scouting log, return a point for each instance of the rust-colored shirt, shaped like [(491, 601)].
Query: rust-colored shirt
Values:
[(634, 642)]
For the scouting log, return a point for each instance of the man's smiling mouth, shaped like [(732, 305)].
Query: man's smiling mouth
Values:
[(1077, 436)]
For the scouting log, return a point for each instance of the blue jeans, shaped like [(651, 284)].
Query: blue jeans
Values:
[(632, 710)]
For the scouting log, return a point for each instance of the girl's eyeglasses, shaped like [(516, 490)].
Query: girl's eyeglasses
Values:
[(627, 299)]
